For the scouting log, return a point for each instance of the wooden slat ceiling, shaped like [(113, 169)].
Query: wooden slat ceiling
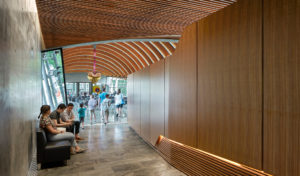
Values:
[(116, 59), (66, 22), (69, 22)]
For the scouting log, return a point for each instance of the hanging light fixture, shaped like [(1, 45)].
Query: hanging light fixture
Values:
[(94, 76)]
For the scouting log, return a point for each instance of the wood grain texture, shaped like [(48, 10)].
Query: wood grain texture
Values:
[(282, 87), (192, 161), (157, 110), (71, 22), (145, 104), (130, 102), (182, 93), (136, 124), (167, 92), (230, 83)]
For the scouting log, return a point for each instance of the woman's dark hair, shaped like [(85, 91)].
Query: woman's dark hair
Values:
[(61, 106), (81, 105), (70, 104), (44, 109)]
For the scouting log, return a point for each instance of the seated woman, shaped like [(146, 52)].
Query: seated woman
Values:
[(55, 135)]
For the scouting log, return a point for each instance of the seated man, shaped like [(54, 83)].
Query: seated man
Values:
[(55, 117), (68, 117)]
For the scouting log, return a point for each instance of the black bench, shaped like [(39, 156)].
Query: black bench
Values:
[(49, 152)]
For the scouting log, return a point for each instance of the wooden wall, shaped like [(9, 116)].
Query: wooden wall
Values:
[(182, 125), (157, 100), (281, 87), (230, 83), (145, 103), (231, 88)]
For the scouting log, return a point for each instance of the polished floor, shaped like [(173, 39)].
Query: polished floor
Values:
[(114, 149)]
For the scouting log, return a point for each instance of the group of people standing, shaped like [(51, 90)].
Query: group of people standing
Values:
[(64, 118), (103, 103)]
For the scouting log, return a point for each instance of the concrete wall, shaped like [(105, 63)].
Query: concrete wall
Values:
[(20, 84)]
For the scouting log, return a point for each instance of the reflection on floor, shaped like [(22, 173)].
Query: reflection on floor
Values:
[(114, 149)]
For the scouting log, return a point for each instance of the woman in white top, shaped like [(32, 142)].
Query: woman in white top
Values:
[(91, 106), (119, 103)]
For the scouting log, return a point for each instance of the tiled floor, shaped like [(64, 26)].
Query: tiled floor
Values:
[(114, 149)]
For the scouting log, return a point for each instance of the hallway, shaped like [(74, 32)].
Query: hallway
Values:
[(113, 150)]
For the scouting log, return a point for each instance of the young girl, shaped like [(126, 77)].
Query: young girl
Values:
[(55, 135), (81, 114)]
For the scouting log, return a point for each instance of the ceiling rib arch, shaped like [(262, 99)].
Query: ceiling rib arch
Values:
[(107, 56), (118, 58), (101, 62), (129, 54)]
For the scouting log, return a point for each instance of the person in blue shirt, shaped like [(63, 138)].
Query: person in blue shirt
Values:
[(81, 114), (102, 96)]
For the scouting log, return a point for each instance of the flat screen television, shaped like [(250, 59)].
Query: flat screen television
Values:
[(53, 78)]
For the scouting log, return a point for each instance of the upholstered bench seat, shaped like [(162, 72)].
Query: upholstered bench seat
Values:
[(51, 151)]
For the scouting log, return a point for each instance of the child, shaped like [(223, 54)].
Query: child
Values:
[(81, 114), (105, 108)]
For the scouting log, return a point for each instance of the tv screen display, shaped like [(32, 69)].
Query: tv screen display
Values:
[(53, 78)]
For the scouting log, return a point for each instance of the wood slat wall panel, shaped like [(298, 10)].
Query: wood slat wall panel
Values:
[(136, 124), (130, 98), (192, 161), (145, 103), (182, 93), (157, 98), (167, 92), (282, 87), (230, 83)]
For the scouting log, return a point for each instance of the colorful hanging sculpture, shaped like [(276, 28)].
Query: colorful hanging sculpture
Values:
[(94, 76)]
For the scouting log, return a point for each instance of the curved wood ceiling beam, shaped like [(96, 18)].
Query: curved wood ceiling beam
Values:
[(120, 52), (168, 47), (90, 68), (99, 59), (101, 70), (162, 49), (151, 50), (86, 71), (99, 53), (146, 49), (141, 58), (118, 55), (143, 52), (173, 45), (128, 53), (159, 50), (155, 50), (109, 50), (84, 61), (105, 73)]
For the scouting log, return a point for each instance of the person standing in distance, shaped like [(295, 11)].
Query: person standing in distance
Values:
[(102, 96), (91, 106), (119, 103)]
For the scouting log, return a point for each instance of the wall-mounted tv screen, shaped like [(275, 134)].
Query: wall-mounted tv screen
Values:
[(53, 78)]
